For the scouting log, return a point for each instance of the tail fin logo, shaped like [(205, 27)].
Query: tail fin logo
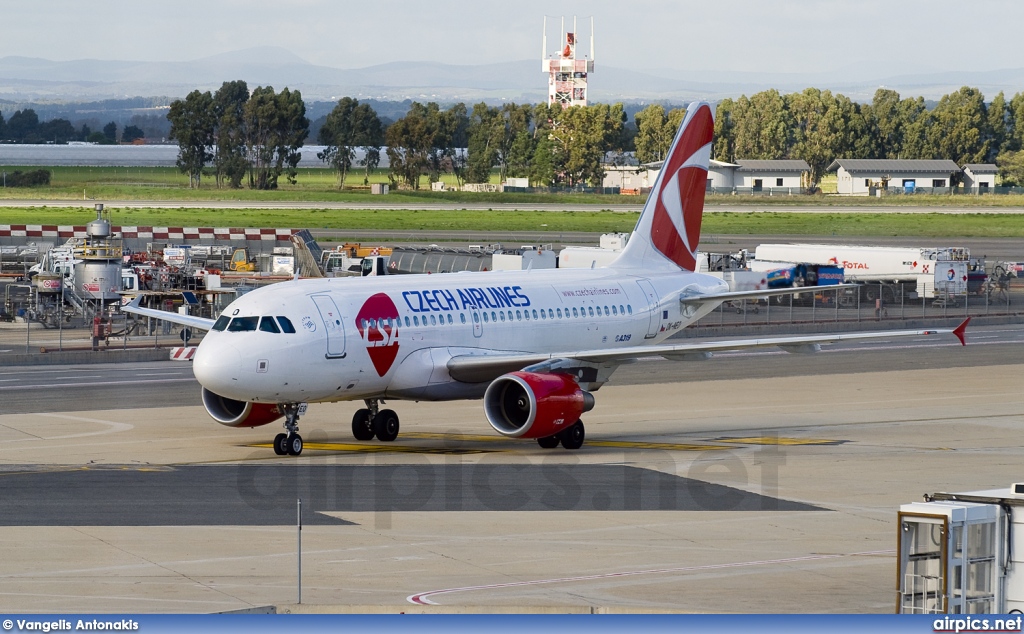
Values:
[(679, 206)]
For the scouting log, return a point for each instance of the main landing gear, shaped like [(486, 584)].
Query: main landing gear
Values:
[(290, 443), (372, 421), (570, 437)]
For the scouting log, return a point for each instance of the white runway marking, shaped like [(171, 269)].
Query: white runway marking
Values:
[(93, 384), (112, 427), (423, 598)]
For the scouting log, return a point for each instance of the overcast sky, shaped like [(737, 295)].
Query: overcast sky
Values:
[(790, 36)]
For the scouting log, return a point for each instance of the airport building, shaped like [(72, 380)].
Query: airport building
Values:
[(754, 176), (865, 177), (980, 178)]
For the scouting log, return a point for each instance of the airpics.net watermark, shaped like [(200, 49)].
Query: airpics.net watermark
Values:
[(66, 625), (457, 479), (977, 624)]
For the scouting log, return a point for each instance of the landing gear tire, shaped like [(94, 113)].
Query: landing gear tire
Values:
[(362, 425), (281, 444), (549, 442), (385, 425), (294, 444), (572, 438)]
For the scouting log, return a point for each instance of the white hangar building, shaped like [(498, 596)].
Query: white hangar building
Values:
[(863, 176), (750, 175), (980, 177)]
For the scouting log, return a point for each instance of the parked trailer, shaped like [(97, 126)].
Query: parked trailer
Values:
[(890, 269)]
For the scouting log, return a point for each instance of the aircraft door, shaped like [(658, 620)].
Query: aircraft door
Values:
[(653, 305), (332, 323), (478, 326)]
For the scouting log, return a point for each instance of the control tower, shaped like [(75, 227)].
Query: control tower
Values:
[(567, 71)]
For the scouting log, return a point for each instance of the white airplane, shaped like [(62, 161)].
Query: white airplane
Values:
[(533, 344)]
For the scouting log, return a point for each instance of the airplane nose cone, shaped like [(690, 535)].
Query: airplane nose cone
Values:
[(216, 366)]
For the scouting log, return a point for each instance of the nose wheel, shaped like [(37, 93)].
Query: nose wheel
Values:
[(290, 443)]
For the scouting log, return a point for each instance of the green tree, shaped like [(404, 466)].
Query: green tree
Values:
[(542, 167), (110, 131), (761, 126), (520, 155), (997, 126), (725, 143), (231, 160), (276, 127), (350, 125), (482, 146), (1015, 123), (132, 133), (651, 132), (886, 123), (1011, 167), (449, 134), (915, 121), (409, 142), (192, 124), (57, 131), (23, 126), (580, 137), (957, 127)]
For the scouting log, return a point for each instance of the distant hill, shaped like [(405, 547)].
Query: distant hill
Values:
[(35, 79)]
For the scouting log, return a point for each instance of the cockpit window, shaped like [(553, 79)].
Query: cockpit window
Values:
[(286, 325), (243, 324), (267, 324), (222, 323)]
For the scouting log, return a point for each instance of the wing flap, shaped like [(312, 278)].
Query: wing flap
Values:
[(759, 294)]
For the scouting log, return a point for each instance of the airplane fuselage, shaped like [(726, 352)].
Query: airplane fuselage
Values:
[(391, 337)]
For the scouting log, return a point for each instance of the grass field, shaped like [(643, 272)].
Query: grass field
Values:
[(755, 222), (320, 185)]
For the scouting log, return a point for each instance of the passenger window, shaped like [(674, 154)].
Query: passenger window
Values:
[(485, 318), (535, 314), (551, 313), (476, 318), (267, 324), (493, 317), (407, 322), (462, 316), (502, 315), (622, 309), (433, 320), (449, 319), (559, 313), (519, 315), (614, 312), (590, 310), (575, 313), (629, 308), (286, 325), (222, 323), (243, 324)]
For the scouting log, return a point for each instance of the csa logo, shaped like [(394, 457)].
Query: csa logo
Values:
[(380, 338)]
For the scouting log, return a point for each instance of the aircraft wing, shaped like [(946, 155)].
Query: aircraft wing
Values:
[(760, 294), (487, 367), (199, 323)]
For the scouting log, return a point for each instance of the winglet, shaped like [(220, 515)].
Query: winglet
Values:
[(135, 303), (961, 330)]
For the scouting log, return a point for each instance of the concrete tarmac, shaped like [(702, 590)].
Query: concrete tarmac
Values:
[(743, 493)]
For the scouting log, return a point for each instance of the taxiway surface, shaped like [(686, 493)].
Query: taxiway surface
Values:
[(759, 483)]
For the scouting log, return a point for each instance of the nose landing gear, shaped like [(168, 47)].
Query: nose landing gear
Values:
[(291, 442)]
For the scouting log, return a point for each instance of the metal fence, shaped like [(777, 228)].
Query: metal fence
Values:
[(821, 305)]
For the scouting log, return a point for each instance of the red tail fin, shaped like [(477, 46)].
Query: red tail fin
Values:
[(669, 227)]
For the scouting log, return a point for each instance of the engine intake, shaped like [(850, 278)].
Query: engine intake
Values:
[(228, 411), (534, 405)]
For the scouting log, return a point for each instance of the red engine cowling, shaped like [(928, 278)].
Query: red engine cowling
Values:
[(531, 405), (228, 411)]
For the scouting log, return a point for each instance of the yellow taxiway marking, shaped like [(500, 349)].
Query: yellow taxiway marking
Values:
[(777, 440), (454, 444)]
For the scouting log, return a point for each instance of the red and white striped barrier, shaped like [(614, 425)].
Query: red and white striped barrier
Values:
[(151, 233), (183, 354)]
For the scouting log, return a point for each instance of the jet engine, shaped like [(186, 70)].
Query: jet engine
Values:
[(533, 405), (232, 413)]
